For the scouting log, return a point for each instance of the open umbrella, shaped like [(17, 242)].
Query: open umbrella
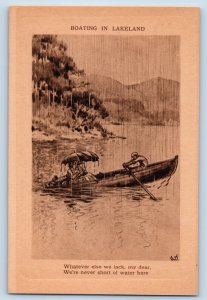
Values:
[(82, 156)]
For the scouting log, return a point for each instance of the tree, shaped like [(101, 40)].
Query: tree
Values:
[(52, 67)]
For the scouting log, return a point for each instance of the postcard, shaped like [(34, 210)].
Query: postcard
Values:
[(103, 150)]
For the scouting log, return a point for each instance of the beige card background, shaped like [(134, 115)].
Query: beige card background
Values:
[(27, 275)]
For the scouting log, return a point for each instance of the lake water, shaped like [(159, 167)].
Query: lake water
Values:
[(116, 223)]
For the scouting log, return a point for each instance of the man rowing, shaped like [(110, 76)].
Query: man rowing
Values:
[(136, 161)]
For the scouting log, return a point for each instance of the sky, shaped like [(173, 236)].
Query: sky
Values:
[(128, 59)]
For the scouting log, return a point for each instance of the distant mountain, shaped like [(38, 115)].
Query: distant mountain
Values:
[(154, 102), (110, 88)]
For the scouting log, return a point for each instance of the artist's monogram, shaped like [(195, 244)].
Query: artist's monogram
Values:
[(174, 258)]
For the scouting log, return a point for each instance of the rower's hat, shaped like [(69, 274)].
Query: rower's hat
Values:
[(134, 154)]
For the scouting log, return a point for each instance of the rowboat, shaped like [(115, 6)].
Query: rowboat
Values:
[(122, 177), (151, 173)]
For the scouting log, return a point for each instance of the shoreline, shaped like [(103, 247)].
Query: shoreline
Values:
[(53, 133)]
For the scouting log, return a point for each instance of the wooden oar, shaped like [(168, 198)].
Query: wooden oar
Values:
[(142, 186)]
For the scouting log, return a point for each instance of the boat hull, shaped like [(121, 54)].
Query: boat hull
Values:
[(122, 178), (151, 173)]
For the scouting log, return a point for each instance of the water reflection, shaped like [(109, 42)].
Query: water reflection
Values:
[(106, 223)]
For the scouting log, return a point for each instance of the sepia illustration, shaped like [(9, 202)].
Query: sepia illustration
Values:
[(105, 144)]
